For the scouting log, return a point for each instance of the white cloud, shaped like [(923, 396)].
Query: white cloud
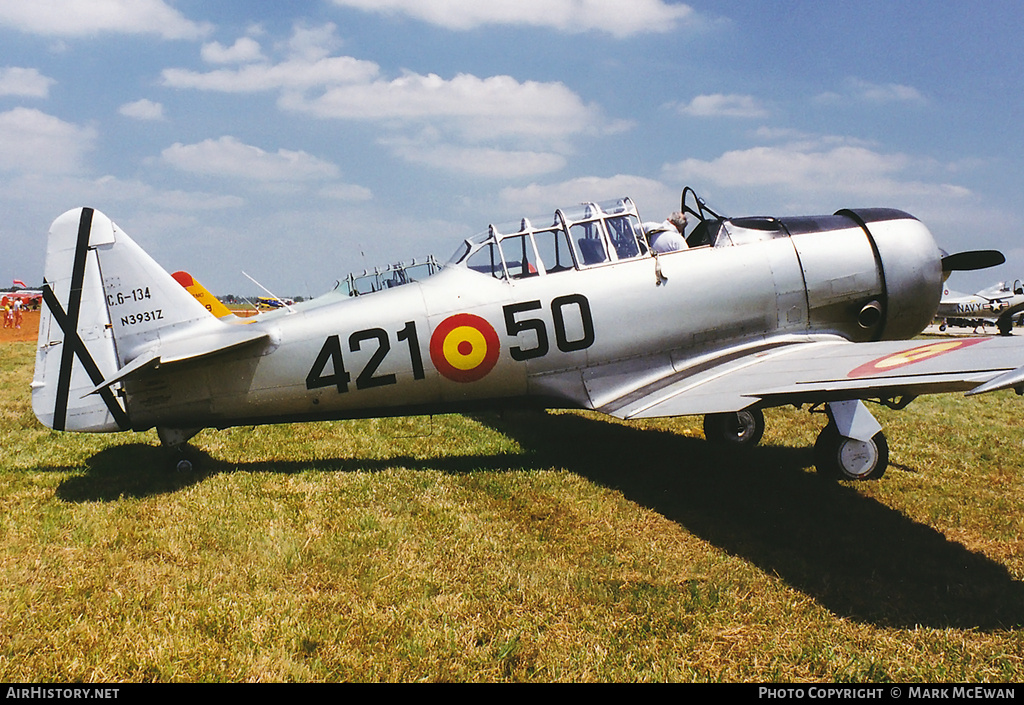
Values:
[(27, 83), (307, 65), (542, 198), (780, 133), (477, 161), (479, 108), (125, 195), (345, 88), (296, 74), (313, 43), (860, 91), (574, 16), (74, 18), (140, 194), (481, 126), (142, 110), (34, 142), (243, 51), (844, 169), (189, 201), (228, 157), (346, 192), (719, 105)]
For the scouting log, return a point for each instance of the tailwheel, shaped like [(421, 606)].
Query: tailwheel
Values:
[(742, 429), (180, 459), (175, 442), (842, 458)]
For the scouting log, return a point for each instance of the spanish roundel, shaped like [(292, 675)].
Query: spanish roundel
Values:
[(464, 347), (909, 357)]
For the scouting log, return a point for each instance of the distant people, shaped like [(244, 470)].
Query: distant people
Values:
[(8, 314), (668, 235), (17, 313)]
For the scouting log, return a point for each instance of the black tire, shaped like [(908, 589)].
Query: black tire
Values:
[(742, 429), (840, 458)]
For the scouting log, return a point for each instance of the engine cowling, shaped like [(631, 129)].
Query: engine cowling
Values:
[(911, 265), (870, 274)]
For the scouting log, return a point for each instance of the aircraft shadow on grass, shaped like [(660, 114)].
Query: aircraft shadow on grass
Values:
[(854, 556)]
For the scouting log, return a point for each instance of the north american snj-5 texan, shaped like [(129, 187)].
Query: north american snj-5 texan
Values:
[(574, 310)]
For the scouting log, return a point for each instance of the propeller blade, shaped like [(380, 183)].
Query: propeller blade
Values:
[(972, 260)]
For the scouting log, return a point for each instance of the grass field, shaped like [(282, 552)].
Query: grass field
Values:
[(533, 547)]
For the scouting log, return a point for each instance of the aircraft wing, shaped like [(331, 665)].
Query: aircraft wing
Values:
[(816, 371)]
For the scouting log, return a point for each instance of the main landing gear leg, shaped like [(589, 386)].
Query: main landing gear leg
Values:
[(852, 445), (175, 442)]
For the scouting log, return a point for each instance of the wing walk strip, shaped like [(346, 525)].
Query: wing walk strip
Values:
[(74, 346), (755, 360), (642, 399)]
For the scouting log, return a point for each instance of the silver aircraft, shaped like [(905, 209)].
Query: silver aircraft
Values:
[(571, 310), (999, 303)]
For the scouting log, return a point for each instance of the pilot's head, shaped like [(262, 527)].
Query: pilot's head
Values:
[(678, 220)]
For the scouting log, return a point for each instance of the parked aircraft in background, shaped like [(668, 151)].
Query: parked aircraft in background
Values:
[(30, 298), (570, 310), (999, 304), (210, 302), (265, 302)]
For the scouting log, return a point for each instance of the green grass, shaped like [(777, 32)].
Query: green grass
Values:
[(545, 547)]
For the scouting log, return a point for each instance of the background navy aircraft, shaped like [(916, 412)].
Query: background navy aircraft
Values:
[(573, 311), (998, 304)]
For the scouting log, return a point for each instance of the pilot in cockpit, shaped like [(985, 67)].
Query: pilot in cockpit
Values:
[(668, 235)]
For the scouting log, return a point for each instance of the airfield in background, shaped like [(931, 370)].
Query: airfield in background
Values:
[(28, 331), (955, 332)]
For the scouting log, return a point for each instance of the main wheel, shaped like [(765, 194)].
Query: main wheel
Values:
[(843, 458), (742, 429)]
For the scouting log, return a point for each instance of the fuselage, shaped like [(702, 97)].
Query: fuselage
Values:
[(551, 336)]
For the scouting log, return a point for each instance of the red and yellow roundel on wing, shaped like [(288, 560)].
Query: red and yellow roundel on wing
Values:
[(464, 347), (914, 355)]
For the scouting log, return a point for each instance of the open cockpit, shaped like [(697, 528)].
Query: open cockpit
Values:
[(597, 234), (389, 277), (592, 235)]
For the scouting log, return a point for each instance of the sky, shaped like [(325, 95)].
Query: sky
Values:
[(300, 141)]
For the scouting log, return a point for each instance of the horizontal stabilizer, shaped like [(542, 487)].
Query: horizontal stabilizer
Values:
[(184, 350)]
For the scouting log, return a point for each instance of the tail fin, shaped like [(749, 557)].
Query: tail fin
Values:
[(105, 303)]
